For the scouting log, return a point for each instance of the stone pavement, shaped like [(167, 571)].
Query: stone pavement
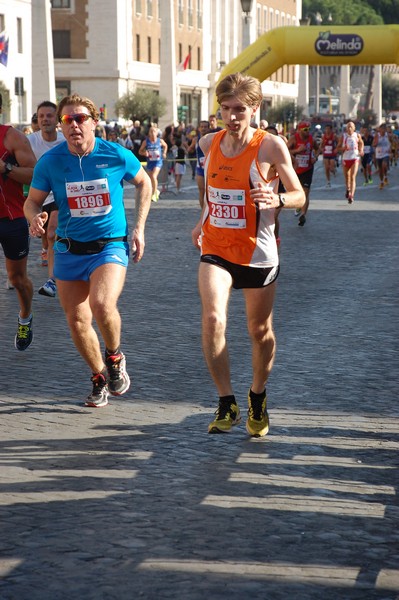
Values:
[(137, 501)]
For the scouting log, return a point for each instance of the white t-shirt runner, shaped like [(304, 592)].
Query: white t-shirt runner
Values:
[(40, 147)]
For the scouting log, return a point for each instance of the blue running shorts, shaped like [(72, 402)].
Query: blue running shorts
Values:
[(151, 164), (77, 267)]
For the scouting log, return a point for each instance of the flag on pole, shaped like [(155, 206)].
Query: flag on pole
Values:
[(184, 64), (3, 48)]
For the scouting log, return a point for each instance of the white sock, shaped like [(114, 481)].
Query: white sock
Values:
[(25, 321)]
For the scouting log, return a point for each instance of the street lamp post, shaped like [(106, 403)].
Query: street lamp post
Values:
[(246, 6), (303, 83), (305, 22), (319, 20)]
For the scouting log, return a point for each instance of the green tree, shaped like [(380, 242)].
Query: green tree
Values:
[(367, 117), (4, 91), (5, 94), (390, 93), (342, 12), (286, 113), (144, 105), (388, 9)]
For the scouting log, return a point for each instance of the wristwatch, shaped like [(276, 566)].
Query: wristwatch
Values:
[(8, 168), (282, 201)]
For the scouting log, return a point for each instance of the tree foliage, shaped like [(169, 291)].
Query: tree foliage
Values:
[(390, 93), (4, 92), (143, 105), (344, 12), (388, 9), (286, 112)]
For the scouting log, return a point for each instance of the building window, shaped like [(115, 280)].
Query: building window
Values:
[(2, 23), (264, 18), (149, 49), (258, 20), (62, 43), (190, 13), (149, 8), (189, 60), (60, 3), (138, 7), (159, 9), (62, 89), (199, 14), (199, 59), (180, 53), (19, 35), (180, 13), (137, 47)]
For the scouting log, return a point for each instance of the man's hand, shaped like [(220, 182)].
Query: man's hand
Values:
[(138, 245), (196, 236), (264, 196), (36, 227)]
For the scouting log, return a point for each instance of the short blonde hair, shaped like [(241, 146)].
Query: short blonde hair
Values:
[(244, 87)]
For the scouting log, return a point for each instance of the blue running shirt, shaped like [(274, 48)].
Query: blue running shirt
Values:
[(88, 190)]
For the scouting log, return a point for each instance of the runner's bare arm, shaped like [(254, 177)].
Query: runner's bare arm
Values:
[(33, 211), (274, 153), (144, 188), (18, 145)]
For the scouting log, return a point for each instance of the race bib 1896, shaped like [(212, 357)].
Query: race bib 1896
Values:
[(88, 198), (226, 208)]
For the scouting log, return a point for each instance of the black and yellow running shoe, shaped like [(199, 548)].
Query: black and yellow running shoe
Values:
[(258, 419), (227, 415)]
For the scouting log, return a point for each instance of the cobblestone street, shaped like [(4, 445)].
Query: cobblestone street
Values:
[(136, 500)]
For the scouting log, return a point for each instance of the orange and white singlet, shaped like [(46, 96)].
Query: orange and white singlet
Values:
[(233, 227)]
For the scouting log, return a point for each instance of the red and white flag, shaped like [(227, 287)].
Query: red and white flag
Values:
[(184, 64)]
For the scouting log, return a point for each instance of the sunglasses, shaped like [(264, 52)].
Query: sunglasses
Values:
[(79, 119), (305, 129)]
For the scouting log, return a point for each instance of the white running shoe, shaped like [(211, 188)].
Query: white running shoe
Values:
[(48, 289)]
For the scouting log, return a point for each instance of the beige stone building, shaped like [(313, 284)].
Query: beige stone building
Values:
[(104, 48)]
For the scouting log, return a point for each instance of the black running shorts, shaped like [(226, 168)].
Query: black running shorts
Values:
[(242, 276)]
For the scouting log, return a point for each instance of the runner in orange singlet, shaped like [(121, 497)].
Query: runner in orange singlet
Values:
[(238, 245)]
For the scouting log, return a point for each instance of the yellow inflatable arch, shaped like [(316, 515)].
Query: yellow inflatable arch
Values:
[(316, 45)]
